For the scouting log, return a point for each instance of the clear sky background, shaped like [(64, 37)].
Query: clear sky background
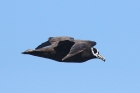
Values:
[(113, 24)]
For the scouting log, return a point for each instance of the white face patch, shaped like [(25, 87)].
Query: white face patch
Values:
[(93, 52)]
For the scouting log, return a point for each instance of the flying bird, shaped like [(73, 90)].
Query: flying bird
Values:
[(66, 49)]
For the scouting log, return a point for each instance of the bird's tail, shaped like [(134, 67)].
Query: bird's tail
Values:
[(27, 51)]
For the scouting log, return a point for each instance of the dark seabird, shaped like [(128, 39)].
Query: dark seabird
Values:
[(66, 49)]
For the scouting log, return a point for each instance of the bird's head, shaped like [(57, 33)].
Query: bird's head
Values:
[(96, 54)]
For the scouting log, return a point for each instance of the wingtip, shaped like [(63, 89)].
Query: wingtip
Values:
[(63, 59)]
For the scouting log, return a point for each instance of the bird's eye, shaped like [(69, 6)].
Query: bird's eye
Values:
[(95, 50)]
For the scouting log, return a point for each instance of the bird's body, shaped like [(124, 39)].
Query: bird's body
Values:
[(65, 49)]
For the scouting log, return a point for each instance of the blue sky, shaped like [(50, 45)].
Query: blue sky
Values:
[(114, 25)]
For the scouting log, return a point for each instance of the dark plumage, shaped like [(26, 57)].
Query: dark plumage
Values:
[(66, 49)]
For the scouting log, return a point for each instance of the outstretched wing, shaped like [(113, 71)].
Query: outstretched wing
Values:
[(76, 48), (54, 41)]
